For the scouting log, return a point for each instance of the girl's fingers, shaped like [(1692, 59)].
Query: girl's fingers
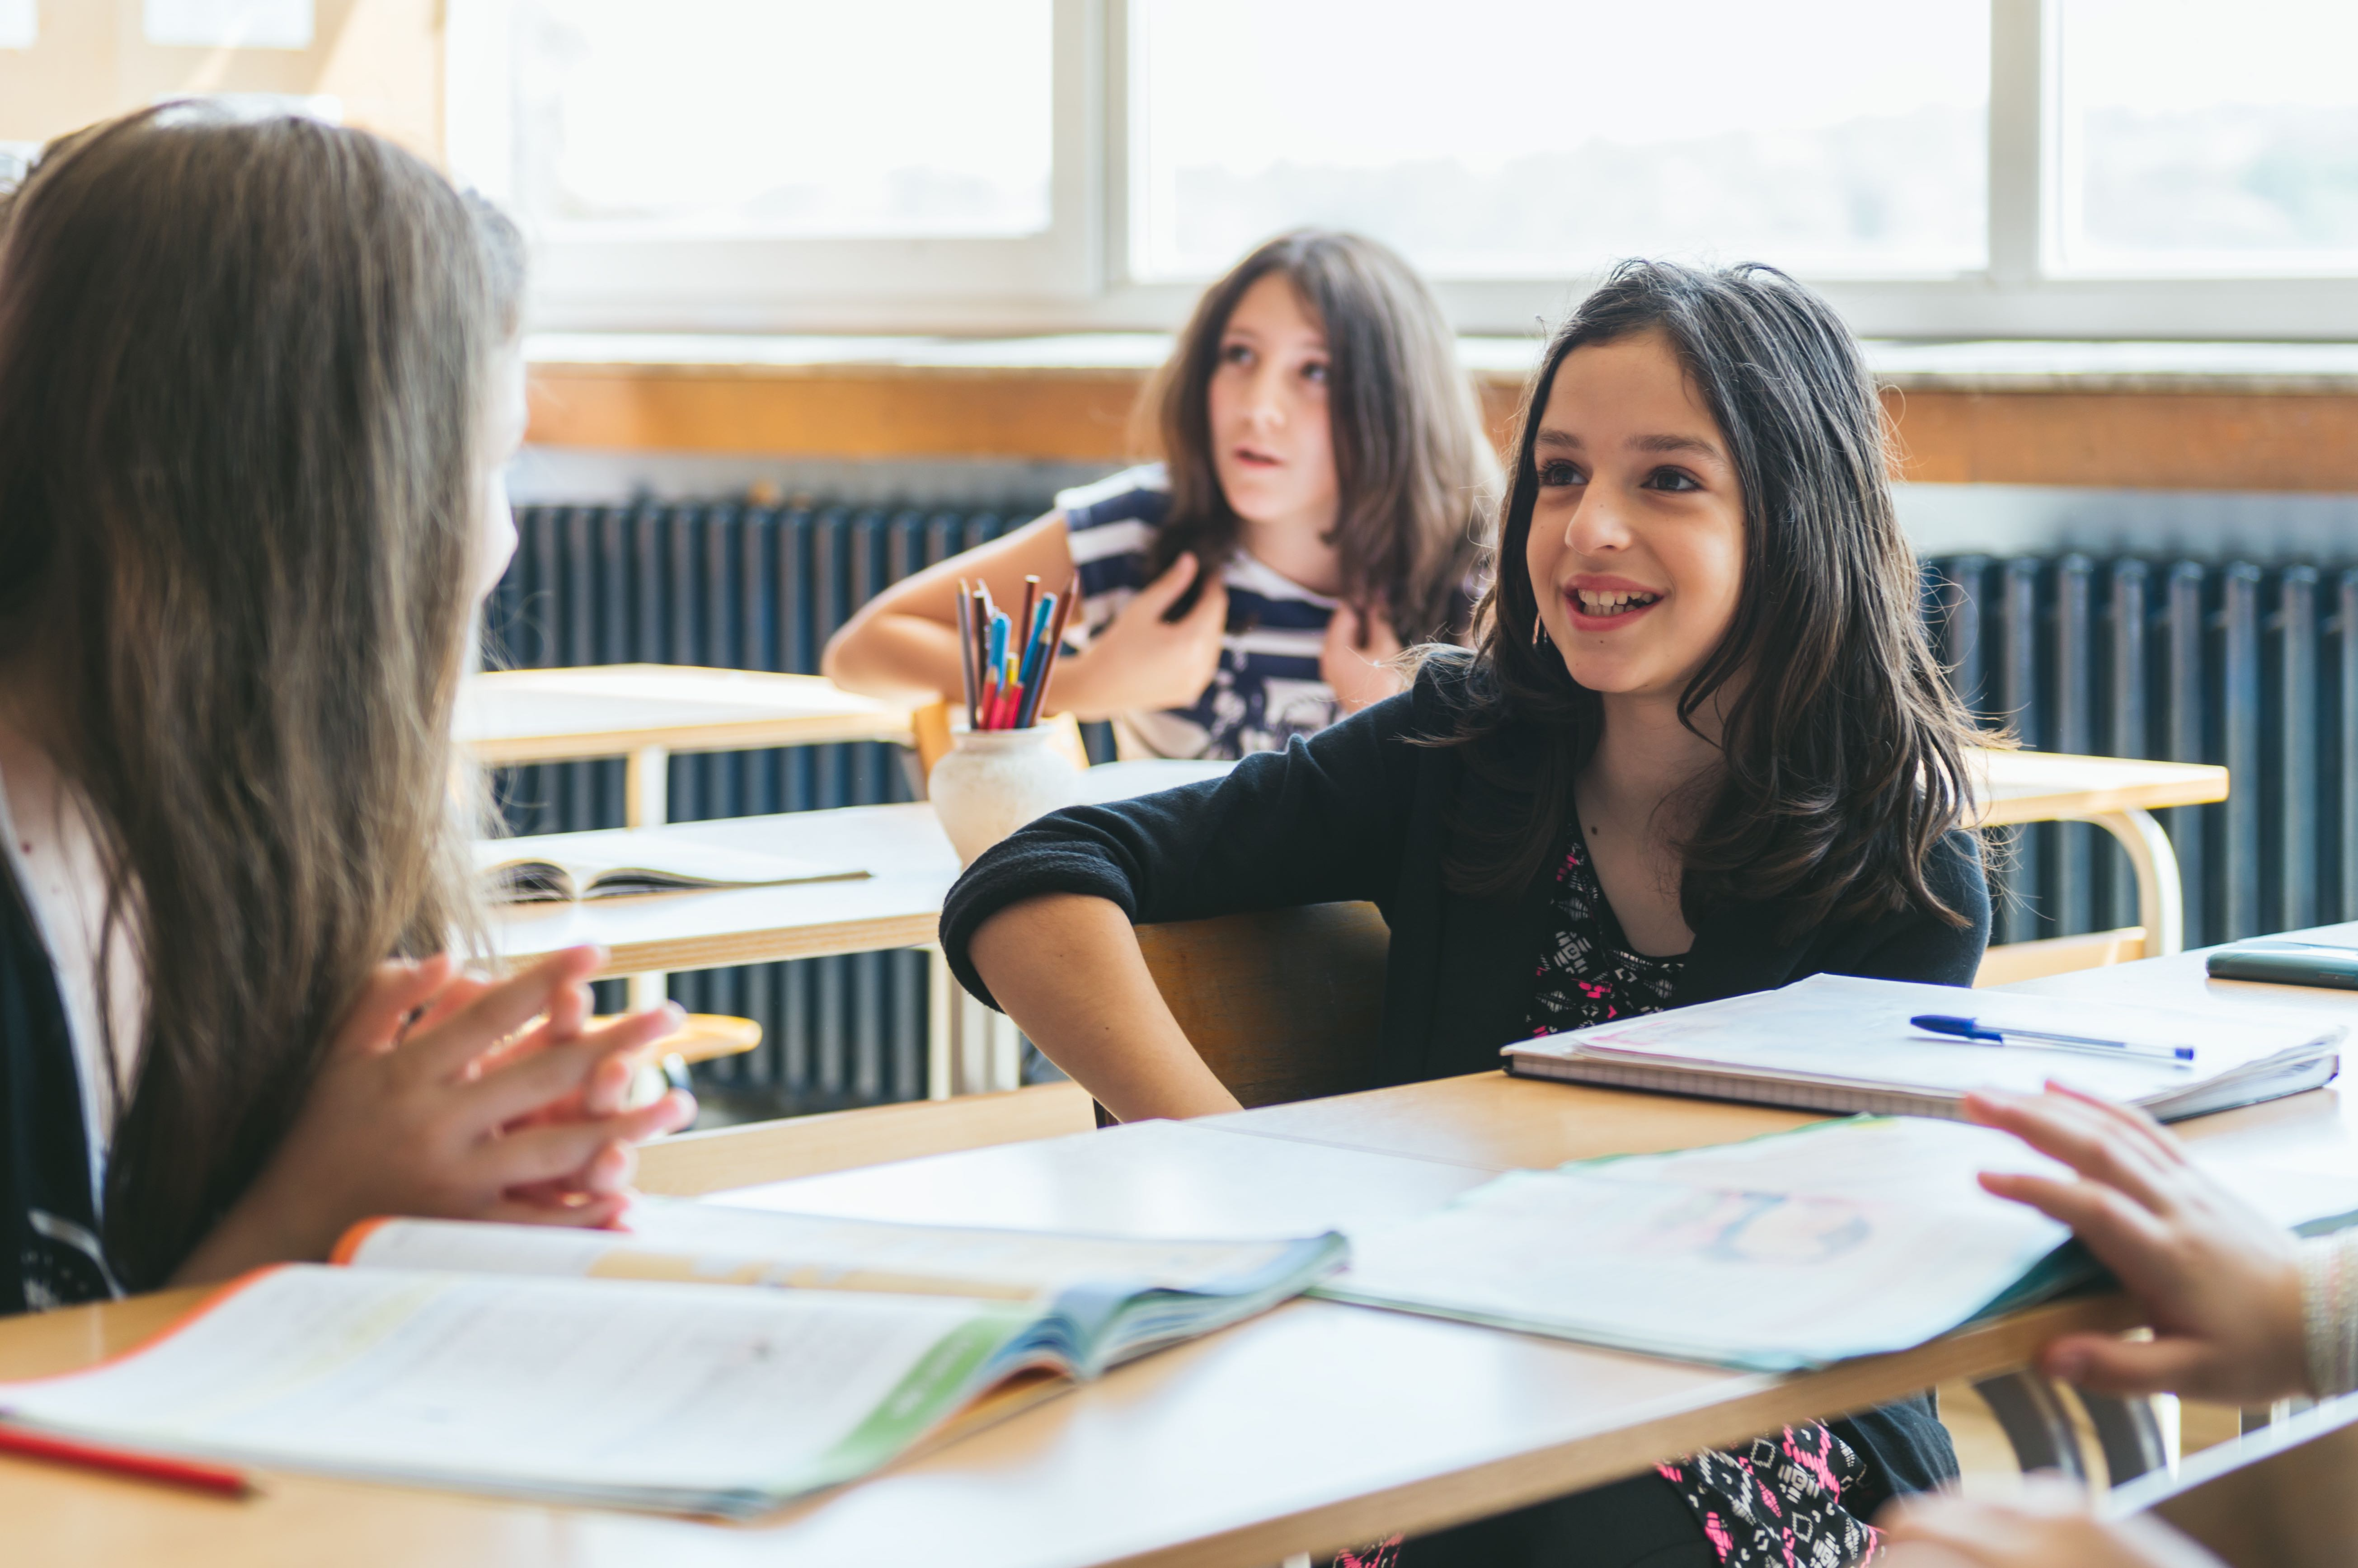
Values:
[(2103, 1365), (529, 1083), (2096, 1149), (2134, 1124), (2126, 1236), (566, 1149), (392, 991), (503, 1010), (457, 992)]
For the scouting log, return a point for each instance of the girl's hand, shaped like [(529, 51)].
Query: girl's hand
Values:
[(457, 1111), (1354, 658), (1142, 660), (2049, 1527), (2221, 1283)]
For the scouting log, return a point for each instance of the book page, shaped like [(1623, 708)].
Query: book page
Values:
[(677, 1240), (1841, 1029), (1782, 1252), (634, 861), (662, 1395)]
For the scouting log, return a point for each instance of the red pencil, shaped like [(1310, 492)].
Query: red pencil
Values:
[(218, 1479)]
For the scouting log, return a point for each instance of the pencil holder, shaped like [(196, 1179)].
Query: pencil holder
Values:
[(994, 781)]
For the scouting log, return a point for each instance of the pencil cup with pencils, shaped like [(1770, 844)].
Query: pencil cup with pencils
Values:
[(1005, 768), (994, 781)]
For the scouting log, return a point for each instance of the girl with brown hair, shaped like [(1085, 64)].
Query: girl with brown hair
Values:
[(258, 379), (1324, 472), (1701, 748)]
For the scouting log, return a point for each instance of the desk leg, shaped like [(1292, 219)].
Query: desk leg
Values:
[(2161, 895), (942, 995), (646, 803)]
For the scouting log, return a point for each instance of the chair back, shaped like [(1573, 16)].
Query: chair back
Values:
[(1281, 1004), (2284, 1496)]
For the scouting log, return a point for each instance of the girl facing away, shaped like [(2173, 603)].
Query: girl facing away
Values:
[(258, 379), (1701, 746), (1325, 471)]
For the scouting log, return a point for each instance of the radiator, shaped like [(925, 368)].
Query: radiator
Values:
[(736, 588), (2254, 668)]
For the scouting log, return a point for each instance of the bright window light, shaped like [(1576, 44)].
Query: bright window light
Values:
[(1536, 138), (2196, 136), (785, 118)]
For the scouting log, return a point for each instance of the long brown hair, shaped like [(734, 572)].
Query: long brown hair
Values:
[(243, 372), (1413, 466), (1842, 746)]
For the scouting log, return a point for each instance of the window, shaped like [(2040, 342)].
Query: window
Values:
[(1530, 138), (739, 117), (1938, 168), (2197, 137)]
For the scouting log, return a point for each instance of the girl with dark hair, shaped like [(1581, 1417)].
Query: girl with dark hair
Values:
[(1701, 748), (258, 379), (1324, 472)]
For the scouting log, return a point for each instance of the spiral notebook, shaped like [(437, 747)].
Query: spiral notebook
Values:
[(1838, 1044)]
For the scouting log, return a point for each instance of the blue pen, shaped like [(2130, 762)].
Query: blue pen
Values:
[(1969, 1029)]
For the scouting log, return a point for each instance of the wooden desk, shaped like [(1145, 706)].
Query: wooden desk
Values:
[(2120, 796), (1313, 1427)]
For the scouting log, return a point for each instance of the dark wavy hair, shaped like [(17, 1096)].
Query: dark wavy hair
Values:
[(1412, 464), (1842, 745)]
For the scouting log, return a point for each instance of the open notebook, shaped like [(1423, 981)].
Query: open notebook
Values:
[(1834, 1042), (708, 1360), (1793, 1250), (623, 865)]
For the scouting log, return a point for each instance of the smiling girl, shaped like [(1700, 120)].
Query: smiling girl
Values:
[(1325, 472), (1702, 748)]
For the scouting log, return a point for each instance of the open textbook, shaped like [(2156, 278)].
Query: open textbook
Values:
[(1834, 1042), (1788, 1251), (627, 864), (708, 1360)]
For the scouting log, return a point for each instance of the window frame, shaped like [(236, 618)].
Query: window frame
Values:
[(1077, 278)]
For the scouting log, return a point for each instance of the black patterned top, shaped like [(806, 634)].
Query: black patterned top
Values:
[(1778, 1502), (1587, 971)]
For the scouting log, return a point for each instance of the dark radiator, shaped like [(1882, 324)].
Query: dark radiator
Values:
[(736, 588), (2254, 668)]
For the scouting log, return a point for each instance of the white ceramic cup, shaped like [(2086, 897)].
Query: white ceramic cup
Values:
[(994, 781)]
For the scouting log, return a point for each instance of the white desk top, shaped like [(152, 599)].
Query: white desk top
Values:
[(606, 710)]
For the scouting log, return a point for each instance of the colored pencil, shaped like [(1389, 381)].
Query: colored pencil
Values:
[(1039, 691), (966, 649), (218, 1479)]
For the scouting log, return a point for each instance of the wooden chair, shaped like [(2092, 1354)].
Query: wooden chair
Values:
[(2009, 962), (2285, 1497), (1282, 1004), (697, 1163)]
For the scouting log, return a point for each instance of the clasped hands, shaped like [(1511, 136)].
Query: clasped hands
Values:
[(448, 1096)]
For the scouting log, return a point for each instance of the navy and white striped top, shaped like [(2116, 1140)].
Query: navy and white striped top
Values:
[(1268, 687)]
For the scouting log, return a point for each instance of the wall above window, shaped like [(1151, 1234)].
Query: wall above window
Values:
[(1944, 168)]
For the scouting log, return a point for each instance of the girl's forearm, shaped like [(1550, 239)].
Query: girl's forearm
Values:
[(898, 657), (1067, 968)]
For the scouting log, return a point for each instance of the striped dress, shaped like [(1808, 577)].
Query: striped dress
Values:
[(1267, 688)]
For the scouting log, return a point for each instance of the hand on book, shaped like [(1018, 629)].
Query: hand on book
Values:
[(454, 1097), (2221, 1283), (2049, 1527)]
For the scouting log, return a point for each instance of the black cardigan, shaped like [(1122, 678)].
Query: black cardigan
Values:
[(1359, 812)]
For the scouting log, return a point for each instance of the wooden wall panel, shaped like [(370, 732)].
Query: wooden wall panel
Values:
[(2147, 440), (2166, 440)]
